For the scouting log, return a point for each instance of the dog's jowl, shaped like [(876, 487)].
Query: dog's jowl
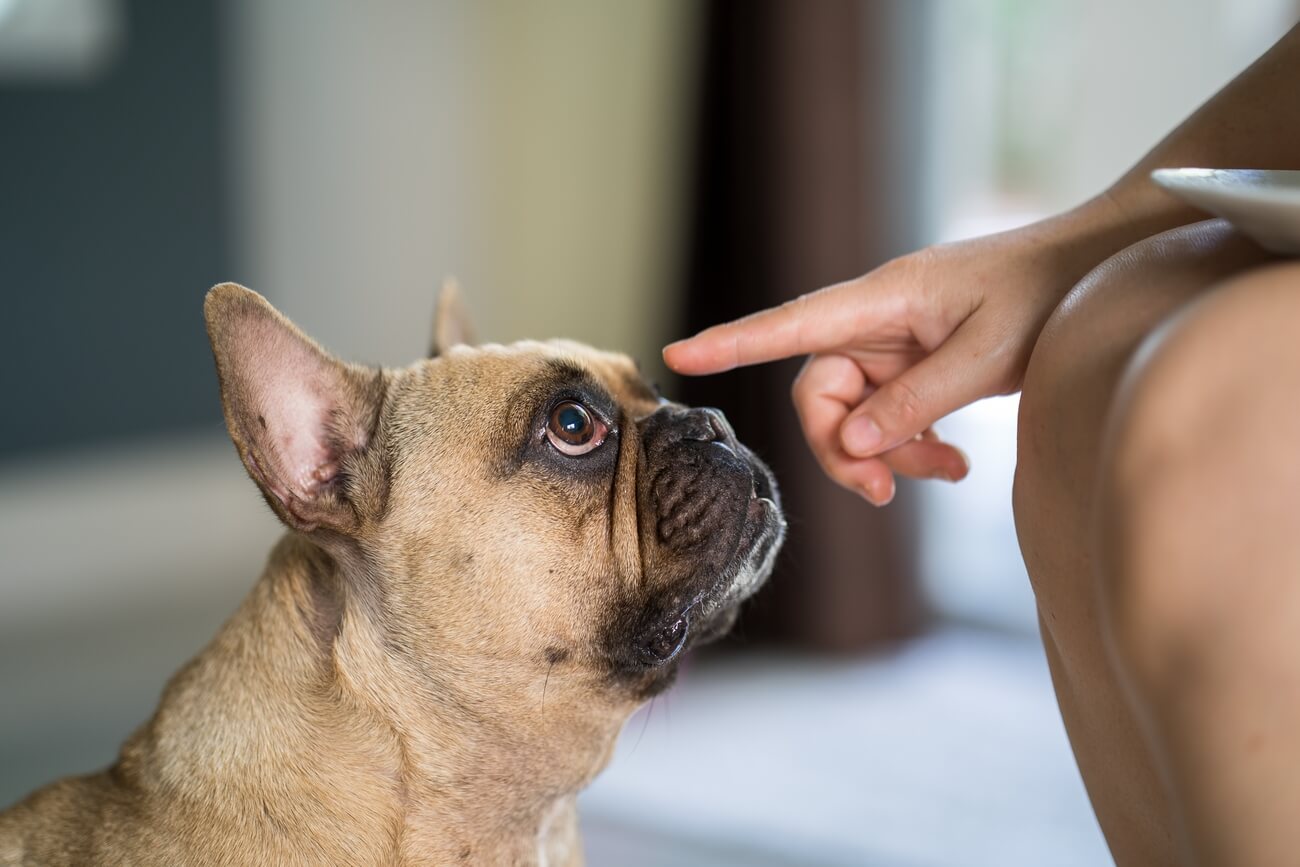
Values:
[(493, 557)]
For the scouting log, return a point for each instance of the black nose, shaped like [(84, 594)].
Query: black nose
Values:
[(677, 425), (707, 425)]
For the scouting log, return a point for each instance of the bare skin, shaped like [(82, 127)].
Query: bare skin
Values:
[(1069, 393), (1157, 480)]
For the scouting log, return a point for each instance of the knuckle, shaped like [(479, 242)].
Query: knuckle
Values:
[(911, 266), (1009, 361), (1004, 378), (740, 341), (840, 475), (902, 405), (798, 308), (915, 261), (1009, 381), (728, 347)]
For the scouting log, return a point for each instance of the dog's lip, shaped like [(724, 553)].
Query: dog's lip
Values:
[(762, 516), (671, 639), (755, 514), (762, 486), (667, 643)]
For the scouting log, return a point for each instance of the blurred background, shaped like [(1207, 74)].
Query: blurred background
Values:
[(617, 172)]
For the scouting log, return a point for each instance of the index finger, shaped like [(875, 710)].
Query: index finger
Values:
[(816, 322)]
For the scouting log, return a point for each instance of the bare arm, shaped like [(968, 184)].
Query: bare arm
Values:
[(1252, 123)]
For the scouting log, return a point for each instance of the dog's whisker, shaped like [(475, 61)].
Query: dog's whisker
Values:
[(546, 683), (646, 724)]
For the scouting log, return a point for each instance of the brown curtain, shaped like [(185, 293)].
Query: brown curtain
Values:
[(794, 190)]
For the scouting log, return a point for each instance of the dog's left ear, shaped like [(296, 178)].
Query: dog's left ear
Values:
[(451, 325), (301, 419)]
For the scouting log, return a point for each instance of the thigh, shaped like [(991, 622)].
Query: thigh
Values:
[(1197, 519), (1068, 393)]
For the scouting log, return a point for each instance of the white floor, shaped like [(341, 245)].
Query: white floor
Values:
[(949, 752)]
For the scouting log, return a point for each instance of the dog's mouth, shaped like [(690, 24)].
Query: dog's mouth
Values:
[(712, 610), (710, 528)]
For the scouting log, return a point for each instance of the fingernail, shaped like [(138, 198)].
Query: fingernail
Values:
[(875, 499), (965, 460), (672, 347), (861, 436)]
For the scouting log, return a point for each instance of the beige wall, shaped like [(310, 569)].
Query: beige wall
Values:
[(583, 123), (533, 149)]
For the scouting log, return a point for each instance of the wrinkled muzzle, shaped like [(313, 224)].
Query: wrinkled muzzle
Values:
[(711, 526)]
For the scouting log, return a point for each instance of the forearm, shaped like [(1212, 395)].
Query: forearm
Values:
[(1253, 122)]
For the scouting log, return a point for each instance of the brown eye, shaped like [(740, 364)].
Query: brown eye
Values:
[(573, 429)]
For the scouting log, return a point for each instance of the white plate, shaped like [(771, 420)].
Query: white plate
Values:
[(1263, 204)]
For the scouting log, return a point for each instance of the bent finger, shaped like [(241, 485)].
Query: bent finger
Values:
[(823, 394), (927, 459), (948, 379)]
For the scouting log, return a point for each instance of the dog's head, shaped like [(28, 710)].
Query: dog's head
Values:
[(505, 512)]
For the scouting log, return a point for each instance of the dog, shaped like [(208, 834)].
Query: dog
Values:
[(493, 557)]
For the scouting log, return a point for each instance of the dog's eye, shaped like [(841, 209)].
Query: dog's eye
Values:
[(573, 429)]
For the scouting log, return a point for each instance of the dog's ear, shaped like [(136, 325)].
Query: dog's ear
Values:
[(301, 419), (451, 325)]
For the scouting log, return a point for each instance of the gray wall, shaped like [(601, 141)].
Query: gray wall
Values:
[(112, 225)]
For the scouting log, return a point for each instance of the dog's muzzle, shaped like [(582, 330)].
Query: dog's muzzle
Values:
[(717, 522)]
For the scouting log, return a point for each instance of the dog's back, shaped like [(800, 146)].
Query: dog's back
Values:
[(71, 822), (226, 767)]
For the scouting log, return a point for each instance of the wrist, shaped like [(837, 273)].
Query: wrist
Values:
[(1076, 241), (1083, 237), (1143, 208)]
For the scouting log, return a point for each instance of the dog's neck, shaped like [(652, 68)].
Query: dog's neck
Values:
[(303, 715)]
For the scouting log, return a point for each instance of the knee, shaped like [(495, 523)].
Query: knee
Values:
[(1197, 473), (1082, 353), (1057, 391), (1088, 339)]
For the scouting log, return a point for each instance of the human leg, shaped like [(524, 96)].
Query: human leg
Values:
[(1199, 548), (1067, 395)]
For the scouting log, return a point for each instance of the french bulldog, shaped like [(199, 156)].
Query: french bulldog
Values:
[(493, 557)]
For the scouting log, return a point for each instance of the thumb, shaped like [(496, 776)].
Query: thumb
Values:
[(902, 408)]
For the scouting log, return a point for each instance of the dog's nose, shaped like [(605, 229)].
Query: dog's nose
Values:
[(676, 425), (707, 425), (703, 425)]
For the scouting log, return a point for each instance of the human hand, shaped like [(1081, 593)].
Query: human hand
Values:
[(895, 350)]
